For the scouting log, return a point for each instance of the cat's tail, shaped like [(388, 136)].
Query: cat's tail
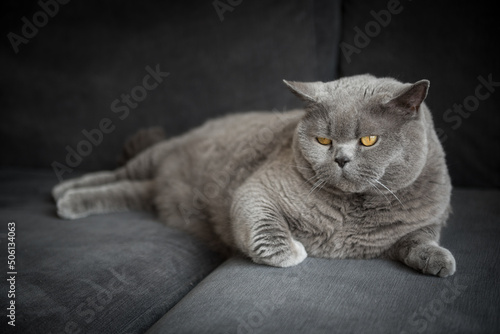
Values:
[(140, 141)]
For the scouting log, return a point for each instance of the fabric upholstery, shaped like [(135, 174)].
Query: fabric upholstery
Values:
[(127, 273), (357, 296), (114, 273), (65, 80)]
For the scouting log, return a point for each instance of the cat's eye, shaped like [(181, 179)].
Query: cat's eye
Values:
[(323, 141), (368, 140)]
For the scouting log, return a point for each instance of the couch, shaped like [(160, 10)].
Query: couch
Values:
[(79, 77)]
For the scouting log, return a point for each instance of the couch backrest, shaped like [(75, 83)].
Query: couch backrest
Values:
[(82, 76), (455, 46), (99, 69)]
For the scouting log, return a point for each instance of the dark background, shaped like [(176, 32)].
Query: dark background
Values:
[(65, 78)]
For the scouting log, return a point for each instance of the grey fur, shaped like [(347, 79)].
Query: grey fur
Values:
[(262, 184)]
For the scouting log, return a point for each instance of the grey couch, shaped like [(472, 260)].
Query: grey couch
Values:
[(65, 111)]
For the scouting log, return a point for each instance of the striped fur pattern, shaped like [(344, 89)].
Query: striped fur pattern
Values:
[(260, 183)]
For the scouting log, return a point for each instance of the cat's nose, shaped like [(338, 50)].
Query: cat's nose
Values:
[(341, 161)]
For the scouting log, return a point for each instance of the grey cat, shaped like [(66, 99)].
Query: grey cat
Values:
[(360, 173)]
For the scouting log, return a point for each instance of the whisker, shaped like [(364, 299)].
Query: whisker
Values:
[(389, 190), (300, 167), (324, 184), (316, 185), (310, 179), (375, 186)]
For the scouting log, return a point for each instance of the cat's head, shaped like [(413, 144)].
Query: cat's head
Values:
[(361, 133)]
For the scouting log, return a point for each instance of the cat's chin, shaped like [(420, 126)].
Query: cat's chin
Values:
[(345, 185)]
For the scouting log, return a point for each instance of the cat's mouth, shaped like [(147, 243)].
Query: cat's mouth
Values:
[(348, 183), (339, 180)]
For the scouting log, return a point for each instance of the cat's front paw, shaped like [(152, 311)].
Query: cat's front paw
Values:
[(289, 257), (432, 259), (71, 206)]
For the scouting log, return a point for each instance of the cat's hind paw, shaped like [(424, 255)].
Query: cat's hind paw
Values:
[(70, 205), (60, 189)]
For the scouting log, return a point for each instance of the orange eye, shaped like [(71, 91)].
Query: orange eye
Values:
[(368, 140), (323, 141)]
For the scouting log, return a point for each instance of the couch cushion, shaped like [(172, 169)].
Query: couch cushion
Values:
[(357, 296), (115, 273)]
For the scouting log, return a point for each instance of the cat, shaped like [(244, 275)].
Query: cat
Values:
[(358, 173)]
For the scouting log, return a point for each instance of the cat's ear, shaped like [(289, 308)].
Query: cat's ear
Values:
[(410, 98), (304, 90)]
